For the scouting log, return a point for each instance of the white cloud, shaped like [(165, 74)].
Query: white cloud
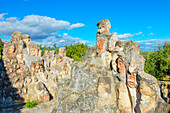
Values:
[(75, 26), (60, 40), (125, 35), (138, 33), (65, 34), (2, 16), (149, 27), (128, 35), (151, 40), (38, 27), (150, 44), (11, 19)]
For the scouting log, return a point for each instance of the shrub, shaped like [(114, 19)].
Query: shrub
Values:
[(30, 104)]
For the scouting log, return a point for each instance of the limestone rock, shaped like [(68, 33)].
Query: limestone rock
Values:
[(110, 79)]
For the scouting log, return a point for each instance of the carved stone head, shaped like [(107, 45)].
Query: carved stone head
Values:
[(16, 36), (32, 65), (19, 56), (103, 27), (131, 79), (38, 64), (62, 51), (120, 66), (59, 60), (26, 69), (26, 38), (46, 54), (33, 49), (7, 43), (11, 50)]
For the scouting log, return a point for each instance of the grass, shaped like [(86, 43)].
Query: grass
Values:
[(30, 104)]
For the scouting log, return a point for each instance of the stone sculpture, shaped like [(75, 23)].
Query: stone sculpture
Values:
[(110, 79)]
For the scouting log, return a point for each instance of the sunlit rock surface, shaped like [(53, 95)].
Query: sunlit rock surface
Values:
[(110, 79)]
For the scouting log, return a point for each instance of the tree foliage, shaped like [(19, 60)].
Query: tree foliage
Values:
[(76, 51), (158, 62), (1, 47)]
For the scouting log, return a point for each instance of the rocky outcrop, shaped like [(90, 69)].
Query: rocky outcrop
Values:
[(110, 79), (27, 75)]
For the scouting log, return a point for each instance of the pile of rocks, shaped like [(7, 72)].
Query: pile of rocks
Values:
[(110, 79)]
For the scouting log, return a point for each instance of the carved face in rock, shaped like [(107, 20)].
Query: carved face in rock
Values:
[(26, 39), (59, 60), (38, 64), (32, 66), (19, 71), (47, 55), (33, 51), (120, 66), (131, 75), (27, 69), (19, 56), (41, 69), (62, 52), (39, 52), (100, 44), (103, 27), (104, 85), (7, 43), (11, 50), (131, 79), (16, 36)]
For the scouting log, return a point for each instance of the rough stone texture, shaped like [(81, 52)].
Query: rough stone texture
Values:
[(110, 79)]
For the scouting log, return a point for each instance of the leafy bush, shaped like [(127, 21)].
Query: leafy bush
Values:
[(76, 51), (30, 104)]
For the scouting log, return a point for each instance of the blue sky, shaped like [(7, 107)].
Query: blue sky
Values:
[(66, 21)]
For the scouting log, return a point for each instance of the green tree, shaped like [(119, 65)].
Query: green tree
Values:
[(158, 62), (76, 51)]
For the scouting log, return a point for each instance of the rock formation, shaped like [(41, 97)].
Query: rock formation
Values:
[(110, 79), (33, 76)]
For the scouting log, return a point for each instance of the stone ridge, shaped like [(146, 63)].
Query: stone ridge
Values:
[(110, 79)]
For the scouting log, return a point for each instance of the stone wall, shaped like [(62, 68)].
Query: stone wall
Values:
[(110, 79)]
